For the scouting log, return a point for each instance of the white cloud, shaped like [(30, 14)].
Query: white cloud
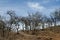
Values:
[(49, 1), (46, 1), (36, 6), (40, 8)]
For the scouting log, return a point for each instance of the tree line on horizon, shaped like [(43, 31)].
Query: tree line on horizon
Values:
[(31, 22)]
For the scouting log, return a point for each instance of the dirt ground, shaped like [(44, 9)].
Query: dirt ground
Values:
[(33, 35)]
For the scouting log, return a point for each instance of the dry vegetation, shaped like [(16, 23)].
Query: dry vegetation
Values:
[(52, 33), (30, 24)]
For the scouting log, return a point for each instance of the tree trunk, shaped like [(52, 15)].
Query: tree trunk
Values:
[(30, 27), (26, 27), (55, 22), (3, 31), (42, 26), (23, 26)]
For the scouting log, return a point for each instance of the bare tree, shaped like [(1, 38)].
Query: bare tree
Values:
[(55, 16), (35, 19), (44, 20), (13, 19)]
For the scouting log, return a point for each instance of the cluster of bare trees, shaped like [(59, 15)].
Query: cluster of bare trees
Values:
[(31, 22)]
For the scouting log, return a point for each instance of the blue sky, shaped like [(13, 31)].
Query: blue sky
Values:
[(22, 7)]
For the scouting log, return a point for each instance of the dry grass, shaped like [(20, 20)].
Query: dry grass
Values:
[(52, 33)]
